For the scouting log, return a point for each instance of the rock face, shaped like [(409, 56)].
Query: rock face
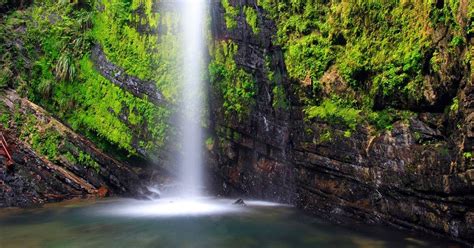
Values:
[(119, 77), (252, 156), (417, 175), (33, 179)]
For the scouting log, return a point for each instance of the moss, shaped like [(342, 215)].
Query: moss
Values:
[(251, 16), (210, 143), (230, 14), (236, 86), (279, 98), (49, 142), (378, 47), (382, 120), (5, 116), (56, 45), (455, 105), (467, 155), (325, 137), (86, 160), (335, 112), (149, 55)]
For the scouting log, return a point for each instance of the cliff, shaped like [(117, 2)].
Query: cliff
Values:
[(351, 109)]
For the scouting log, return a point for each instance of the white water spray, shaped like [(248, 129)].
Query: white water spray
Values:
[(193, 44)]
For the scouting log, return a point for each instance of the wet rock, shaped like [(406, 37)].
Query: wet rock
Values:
[(34, 180), (239, 202), (118, 76)]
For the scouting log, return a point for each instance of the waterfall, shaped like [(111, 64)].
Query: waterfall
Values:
[(193, 46)]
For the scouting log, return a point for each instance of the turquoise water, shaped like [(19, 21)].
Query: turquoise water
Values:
[(128, 223)]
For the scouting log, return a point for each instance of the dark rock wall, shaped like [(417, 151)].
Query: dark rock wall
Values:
[(33, 179), (412, 176), (251, 157)]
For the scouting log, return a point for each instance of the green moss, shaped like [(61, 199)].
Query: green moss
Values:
[(325, 137), (5, 116), (235, 85), (377, 47), (455, 105), (147, 55), (382, 120), (47, 141), (101, 104), (467, 155), (335, 112), (251, 17), (210, 143), (62, 79), (86, 160), (230, 14), (279, 98)]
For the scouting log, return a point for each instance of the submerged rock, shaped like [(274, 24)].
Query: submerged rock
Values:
[(240, 202)]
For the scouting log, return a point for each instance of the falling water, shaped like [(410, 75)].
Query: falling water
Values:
[(193, 14)]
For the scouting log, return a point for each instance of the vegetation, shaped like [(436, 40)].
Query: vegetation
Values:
[(49, 142), (56, 39), (130, 39), (236, 86), (378, 48), (279, 98), (251, 17), (334, 111), (230, 14), (467, 155)]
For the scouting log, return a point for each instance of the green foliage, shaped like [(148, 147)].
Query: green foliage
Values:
[(455, 105), (86, 160), (236, 86), (4, 77), (377, 47), (446, 14), (49, 142), (44, 141), (467, 155), (381, 120), (100, 104), (147, 55), (230, 14), (279, 98), (61, 78), (251, 17), (470, 18), (210, 143), (12, 58), (335, 111), (326, 137), (5, 116)]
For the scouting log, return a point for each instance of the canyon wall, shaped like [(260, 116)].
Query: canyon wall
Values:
[(332, 122), (357, 109)]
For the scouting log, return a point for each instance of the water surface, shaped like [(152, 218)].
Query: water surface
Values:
[(184, 223)]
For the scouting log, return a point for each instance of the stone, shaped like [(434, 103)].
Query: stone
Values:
[(239, 202)]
